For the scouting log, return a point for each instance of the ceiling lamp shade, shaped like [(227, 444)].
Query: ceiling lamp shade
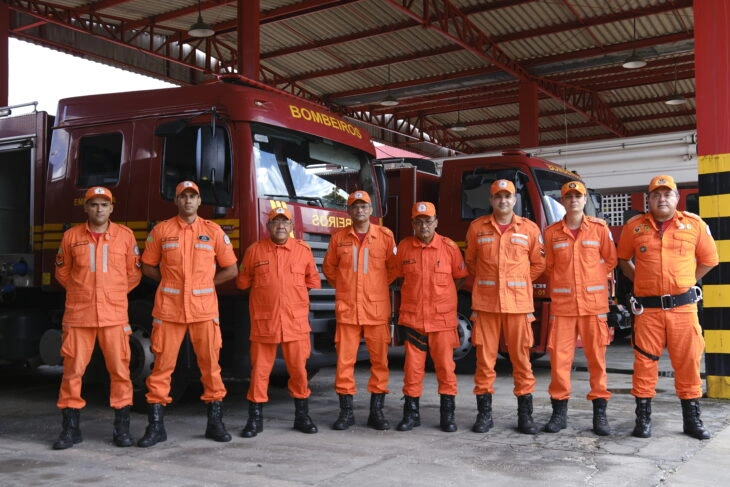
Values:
[(389, 101), (458, 127), (675, 99), (634, 62), (200, 28)]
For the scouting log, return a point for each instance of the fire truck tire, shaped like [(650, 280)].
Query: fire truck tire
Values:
[(464, 355)]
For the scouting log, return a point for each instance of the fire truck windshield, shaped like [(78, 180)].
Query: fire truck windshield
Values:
[(297, 167), (550, 183)]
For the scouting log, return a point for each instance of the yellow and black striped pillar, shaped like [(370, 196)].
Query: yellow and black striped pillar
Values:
[(712, 75)]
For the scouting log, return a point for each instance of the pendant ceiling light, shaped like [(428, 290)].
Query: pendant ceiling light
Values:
[(200, 28), (634, 61)]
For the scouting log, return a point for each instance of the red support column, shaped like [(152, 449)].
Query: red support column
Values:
[(4, 63), (529, 115), (712, 77), (248, 39)]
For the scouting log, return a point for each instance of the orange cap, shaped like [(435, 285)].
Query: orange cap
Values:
[(280, 212), (358, 195), (184, 186), (423, 208), (662, 182), (97, 192), (573, 186), (502, 185)]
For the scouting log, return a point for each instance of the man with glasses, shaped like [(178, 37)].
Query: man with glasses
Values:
[(432, 269), (671, 251), (504, 255), (360, 265), (580, 255), (280, 271)]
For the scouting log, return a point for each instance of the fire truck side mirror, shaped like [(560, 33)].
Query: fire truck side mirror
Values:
[(382, 180)]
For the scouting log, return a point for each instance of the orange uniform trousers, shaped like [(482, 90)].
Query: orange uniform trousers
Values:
[(77, 348), (263, 355), (347, 341), (441, 346), (681, 334), (593, 331), (167, 337), (517, 330)]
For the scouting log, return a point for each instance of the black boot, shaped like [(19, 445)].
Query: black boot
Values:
[(302, 421), (120, 435), (643, 418), (155, 432), (71, 432), (525, 424), (216, 430), (411, 415), (484, 414), (255, 423), (692, 423), (346, 417), (559, 420), (600, 422), (448, 423), (377, 420)]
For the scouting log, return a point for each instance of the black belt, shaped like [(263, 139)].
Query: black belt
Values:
[(669, 301)]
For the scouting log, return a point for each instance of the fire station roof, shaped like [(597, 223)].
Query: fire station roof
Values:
[(455, 67)]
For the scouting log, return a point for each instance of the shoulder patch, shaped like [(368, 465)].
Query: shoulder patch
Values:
[(597, 220), (449, 242), (691, 215)]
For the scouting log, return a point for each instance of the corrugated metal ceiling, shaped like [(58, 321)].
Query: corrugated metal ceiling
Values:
[(443, 60)]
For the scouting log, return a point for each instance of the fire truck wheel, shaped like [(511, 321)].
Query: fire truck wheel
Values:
[(464, 354)]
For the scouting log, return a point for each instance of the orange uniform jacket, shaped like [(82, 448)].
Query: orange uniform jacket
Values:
[(361, 274), (428, 293), (279, 277), (578, 267), (504, 265), (97, 275), (667, 264), (187, 256)]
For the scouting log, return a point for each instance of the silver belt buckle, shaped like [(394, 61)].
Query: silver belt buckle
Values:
[(667, 298)]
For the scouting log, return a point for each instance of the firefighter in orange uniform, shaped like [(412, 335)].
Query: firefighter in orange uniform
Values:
[(181, 253), (671, 250), (580, 255), (504, 254), (360, 265), (97, 264), (280, 271), (429, 264)]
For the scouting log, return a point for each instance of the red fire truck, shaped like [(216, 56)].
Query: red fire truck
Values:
[(461, 194), (249, 147)]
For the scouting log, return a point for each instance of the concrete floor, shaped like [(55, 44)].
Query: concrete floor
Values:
[(29, 423)]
